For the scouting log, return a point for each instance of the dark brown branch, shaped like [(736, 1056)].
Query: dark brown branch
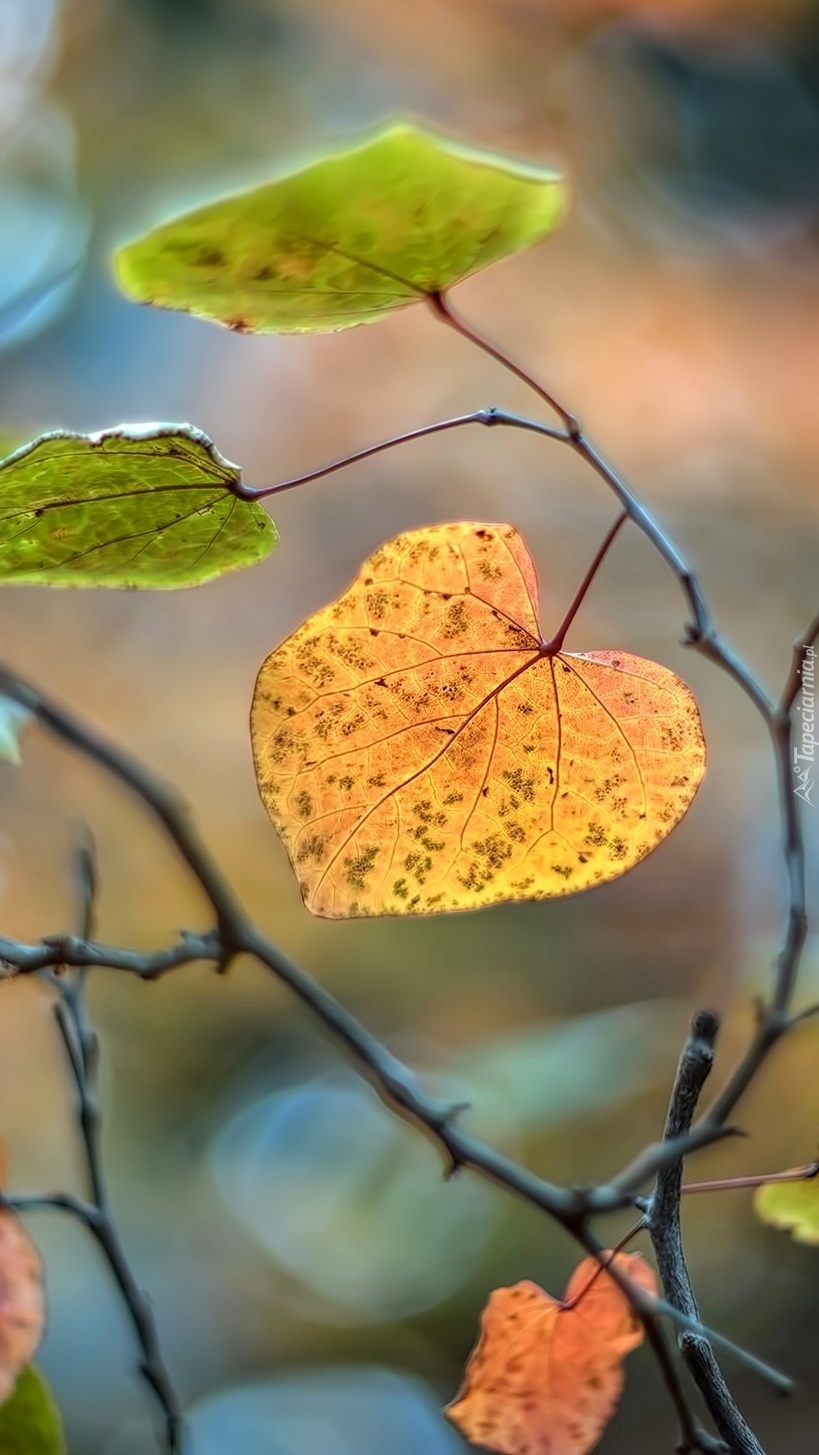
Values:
[(665, 1229), (648, 1309), (393, 1081), (622, 1189), (647, 1306), (398, 1087), (774, 1018)]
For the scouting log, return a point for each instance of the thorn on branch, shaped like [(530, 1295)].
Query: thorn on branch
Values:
[(225, 960), (454, 1110)]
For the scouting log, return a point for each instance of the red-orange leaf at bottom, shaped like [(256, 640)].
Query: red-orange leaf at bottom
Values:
[(545, 1375), (22, 1301)]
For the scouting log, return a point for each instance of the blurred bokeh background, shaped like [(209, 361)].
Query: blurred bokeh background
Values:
[(317, 1284)]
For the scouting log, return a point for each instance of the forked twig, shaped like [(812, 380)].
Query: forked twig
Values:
[(81, 1048)]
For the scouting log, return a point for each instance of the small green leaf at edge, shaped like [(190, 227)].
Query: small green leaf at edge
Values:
[(793, 1207), (137, 506), (347, 239), (30, 1422)]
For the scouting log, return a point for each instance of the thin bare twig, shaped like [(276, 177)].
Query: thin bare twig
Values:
[(82, 1053), (441, 426), (761, 1179)]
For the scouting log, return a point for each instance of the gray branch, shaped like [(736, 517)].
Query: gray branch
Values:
[(664, 1225), (234, 934)]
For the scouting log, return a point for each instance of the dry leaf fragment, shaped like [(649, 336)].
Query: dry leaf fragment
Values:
[(420, 749), (22, 1301), (544, 1378)]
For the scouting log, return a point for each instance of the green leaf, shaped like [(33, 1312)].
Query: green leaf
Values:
[(142, 505), (30, 1422), (347, 239), (13, 718), (792, 1206)]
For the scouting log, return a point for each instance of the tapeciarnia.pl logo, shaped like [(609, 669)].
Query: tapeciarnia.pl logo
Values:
[(804, 751)]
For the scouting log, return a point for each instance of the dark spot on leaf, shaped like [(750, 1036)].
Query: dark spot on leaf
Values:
[(357, 867)]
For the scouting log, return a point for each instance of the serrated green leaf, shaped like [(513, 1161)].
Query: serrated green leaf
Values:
[(30, 1422), (791, 1206), (348, 239), (142, 505), (13, 719)]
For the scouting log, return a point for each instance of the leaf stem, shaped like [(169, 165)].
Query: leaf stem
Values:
[(440, 306), (555, 645), (621, 1243), (737, 1184), (488, 417)]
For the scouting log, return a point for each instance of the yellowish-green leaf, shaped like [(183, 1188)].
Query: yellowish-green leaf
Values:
[(421, 748), (30, 1422), (142, 505), (349, 238), (792, 1206)]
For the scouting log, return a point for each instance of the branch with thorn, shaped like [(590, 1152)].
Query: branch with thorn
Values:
[(234, 934)]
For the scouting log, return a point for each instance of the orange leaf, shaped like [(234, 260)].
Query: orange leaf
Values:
[(419, 748), (544, 1379), (22, 1303)]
